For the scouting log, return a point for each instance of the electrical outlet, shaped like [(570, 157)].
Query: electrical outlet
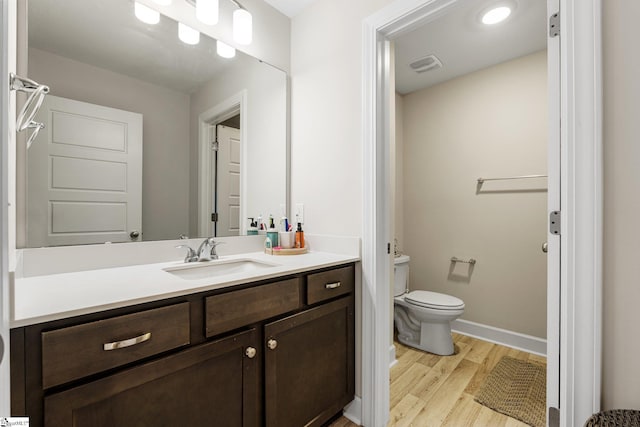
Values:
[(299, 214)]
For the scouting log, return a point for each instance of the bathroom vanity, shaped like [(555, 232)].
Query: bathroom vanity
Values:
[(276, 351)]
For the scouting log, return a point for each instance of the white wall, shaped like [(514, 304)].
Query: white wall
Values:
[(621, 293), (266, 133), (165, 169), (326, 140), (490, 123)]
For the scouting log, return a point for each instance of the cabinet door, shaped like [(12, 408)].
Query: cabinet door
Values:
[(214, 384), (309, 365)]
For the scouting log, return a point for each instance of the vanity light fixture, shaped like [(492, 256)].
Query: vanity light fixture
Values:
[(187, 34), (146, 14), (224, 50), (242, 26), (496, 15), (207, 11)]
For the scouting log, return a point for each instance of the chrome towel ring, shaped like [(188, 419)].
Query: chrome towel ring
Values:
[(37, 92)]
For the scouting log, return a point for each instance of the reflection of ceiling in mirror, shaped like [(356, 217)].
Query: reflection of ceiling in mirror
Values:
[(464, 45), (107, 34)]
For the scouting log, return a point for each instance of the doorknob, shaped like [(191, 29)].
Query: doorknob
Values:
[(134, 234), (545, 247)]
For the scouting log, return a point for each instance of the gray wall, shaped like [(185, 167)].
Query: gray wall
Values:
[(490, 123), (165, 169), (621, 293), (266, 133)]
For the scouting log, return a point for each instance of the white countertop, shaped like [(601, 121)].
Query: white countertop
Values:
[(56, 296)]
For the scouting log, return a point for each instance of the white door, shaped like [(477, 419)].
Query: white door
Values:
[(227, 188), (84, 175), (553, 204)]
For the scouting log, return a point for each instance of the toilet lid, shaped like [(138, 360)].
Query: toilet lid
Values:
[(434, 300)]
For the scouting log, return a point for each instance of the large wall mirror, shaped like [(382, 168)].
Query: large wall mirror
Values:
[(146, 136)]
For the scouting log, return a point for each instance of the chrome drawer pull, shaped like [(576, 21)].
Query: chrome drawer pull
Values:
[(127, 343), (332, 285)]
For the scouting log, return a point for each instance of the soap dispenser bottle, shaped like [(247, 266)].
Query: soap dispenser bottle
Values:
[(299, 237), (272, 233)]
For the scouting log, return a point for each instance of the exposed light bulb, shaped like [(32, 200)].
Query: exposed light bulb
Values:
[(495, 15), (187, 34), (162, 2), (242, 27), (224, 50), (146, 14), (207, 11)]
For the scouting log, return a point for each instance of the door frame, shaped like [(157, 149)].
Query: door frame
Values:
[(580, 111), (8, 34), (219, 113)]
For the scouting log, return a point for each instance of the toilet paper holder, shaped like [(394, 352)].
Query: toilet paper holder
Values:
[(466, 261)]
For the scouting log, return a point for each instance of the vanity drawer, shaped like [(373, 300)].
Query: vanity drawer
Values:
[(236, 309), (77, 351), (330, 284)]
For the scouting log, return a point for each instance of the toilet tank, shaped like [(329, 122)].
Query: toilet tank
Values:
[(400, 275)]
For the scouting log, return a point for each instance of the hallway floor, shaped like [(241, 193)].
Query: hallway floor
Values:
[(432, 391)]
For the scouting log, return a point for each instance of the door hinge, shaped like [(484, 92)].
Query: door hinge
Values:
[(554, 417), (214, 146), (214, 217), (388, 248), (554, 25), (554, 222)]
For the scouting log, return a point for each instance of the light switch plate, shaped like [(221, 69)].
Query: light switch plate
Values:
[(299, 214)]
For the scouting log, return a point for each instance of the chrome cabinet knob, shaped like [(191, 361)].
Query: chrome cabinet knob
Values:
[(250, 352), (272, 344), (134, 234)]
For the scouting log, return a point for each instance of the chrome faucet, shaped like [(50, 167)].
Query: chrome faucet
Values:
[(206, 251)]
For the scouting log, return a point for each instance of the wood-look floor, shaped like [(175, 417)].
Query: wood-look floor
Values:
[(431, 391)]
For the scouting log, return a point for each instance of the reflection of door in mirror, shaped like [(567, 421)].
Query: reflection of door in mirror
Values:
[(227, 181), (84, 181)]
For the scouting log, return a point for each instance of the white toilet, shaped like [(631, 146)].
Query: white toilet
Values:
[(423, 318)]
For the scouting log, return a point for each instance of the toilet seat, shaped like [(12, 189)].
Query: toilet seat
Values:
[(433, 300)]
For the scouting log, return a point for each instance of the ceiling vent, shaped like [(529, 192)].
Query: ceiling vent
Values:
[(427, 63)]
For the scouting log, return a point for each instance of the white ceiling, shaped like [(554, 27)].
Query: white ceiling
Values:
[(463, 44), (107, 34), (290, 7)]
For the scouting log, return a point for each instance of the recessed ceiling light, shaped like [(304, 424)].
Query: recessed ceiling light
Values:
[(495, 15)]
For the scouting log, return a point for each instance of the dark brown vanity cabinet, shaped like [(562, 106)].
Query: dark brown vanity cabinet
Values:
[(275, 353), (309, 368), (213, 384)]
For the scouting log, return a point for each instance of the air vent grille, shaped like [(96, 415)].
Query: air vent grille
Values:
[(427, 63)]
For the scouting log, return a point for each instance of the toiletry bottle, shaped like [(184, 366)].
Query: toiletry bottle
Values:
[(253, 227), (272, 232), (299, 237)]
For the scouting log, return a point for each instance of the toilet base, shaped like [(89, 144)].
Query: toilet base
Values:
[(431, 336)]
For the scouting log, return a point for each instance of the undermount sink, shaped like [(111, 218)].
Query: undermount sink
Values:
[(203, 270)]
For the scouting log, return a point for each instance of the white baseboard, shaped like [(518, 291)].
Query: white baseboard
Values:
[(353, 411), (504, 337), (392, 356)]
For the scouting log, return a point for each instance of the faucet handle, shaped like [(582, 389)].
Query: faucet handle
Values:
[(192, 256), (214, 254)]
